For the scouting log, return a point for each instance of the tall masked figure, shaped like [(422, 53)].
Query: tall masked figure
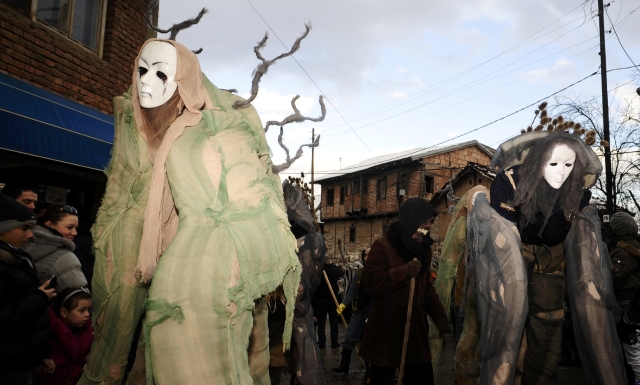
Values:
[(536, 240), (193, 218)]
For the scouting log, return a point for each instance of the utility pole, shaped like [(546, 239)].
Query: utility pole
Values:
[(605, 111), (313, 197)]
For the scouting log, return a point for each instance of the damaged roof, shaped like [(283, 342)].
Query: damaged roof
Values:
[(383, 161)]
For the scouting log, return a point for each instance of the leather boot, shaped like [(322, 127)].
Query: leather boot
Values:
[(344, 364)]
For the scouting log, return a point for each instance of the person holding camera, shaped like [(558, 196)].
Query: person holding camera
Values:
[(24, 320)]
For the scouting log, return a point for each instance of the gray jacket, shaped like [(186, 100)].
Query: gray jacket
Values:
[(53, 254)]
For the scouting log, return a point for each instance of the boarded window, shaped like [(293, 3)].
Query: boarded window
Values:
[(403, 184), (382, 188), (330, 197), (356, 187), (342, 194)]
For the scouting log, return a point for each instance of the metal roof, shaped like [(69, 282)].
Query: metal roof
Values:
[(402, 157)]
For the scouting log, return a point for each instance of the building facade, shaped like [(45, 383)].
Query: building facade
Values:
[(61, 65), (358, 205)]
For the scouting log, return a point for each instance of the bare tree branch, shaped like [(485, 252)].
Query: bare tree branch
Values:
[(296, 117), (176, 27), (624, 139), (263, 67), (281, 167)]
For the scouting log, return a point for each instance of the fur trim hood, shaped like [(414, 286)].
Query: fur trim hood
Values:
[(630, 246), (45, 242), (8, 257)]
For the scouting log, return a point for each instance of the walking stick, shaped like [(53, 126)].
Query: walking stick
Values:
[(344, 322), (407, 326)]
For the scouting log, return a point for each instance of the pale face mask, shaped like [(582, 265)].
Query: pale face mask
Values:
[(559, 167), (156, 73)]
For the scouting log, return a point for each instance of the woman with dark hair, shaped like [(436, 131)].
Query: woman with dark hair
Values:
[(52, 247)]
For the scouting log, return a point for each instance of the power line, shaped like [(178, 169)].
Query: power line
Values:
[(464, 101), (309, 76), (483, 126), (443, 82), (341, 172), (459, 89), (618, 37)]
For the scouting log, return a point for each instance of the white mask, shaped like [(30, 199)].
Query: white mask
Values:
[(559, 167), (156, 73)]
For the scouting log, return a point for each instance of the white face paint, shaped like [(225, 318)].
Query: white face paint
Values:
[(156, 73), (559, 167)]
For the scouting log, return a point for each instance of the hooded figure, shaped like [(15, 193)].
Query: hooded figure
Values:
[(194, 186), (402, 254), (542, 191)]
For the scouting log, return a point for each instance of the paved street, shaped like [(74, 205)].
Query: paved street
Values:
[(331, 358)]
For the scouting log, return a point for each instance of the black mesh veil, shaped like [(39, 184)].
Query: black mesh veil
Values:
[(498, 271), (591, 298)]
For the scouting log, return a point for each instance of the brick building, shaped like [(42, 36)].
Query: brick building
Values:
[(358, 205), (473, 174), (61, 65)]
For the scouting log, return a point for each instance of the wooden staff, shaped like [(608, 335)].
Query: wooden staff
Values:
[(344, 322), (407, 326)]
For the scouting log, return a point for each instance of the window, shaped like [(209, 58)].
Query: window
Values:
[(80, 20), (330, 197), (403, 185), (382, 188), (342, 194), (356, 187), (428, 183), (352, 234)]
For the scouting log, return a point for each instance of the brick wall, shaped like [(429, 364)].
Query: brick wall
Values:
[(367, 231), (338, 218), (34, 52), (443, 218), (441, 166)]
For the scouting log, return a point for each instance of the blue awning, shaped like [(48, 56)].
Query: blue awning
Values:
[(38, 122)]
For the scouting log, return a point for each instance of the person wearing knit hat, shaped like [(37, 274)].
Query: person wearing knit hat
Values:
[(622, 224), (625, 270), (23, 301), (14, 215)]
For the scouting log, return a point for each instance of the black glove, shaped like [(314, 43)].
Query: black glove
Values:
[(412, 269), (626, 331), (442, 323)]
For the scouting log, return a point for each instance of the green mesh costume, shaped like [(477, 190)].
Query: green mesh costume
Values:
[(452, 254), (117, 297), (232, 246), (205, 341)]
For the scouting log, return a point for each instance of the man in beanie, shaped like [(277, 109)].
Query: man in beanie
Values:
[(402, 254), (625, 269), (24, 321)]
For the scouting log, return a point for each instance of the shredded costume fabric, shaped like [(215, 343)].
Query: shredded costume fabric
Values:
[(216, 217)]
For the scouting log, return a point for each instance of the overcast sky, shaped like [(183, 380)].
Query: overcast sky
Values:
[(405, 74)]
